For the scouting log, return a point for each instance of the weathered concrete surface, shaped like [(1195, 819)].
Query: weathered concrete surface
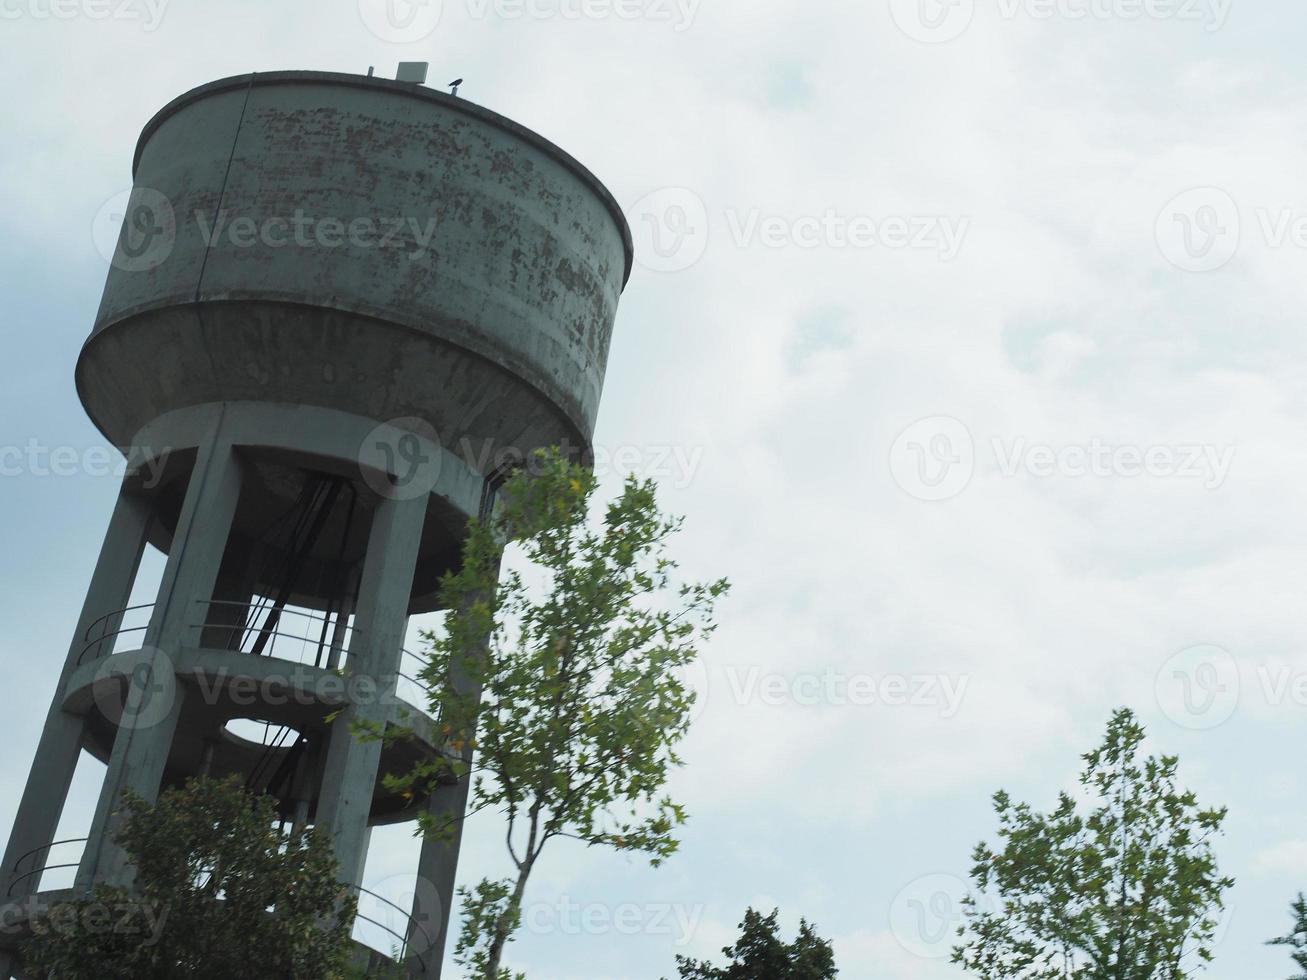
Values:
[(275, 437), (350, 769), (487, 313), (155, 700), (227, 684), (317, 267)]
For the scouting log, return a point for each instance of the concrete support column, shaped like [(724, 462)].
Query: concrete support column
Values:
[(191, 575), (60, 746), (437, 871), (340, 631), (438, 864), (376, 642), (225, 620), (154, 698)]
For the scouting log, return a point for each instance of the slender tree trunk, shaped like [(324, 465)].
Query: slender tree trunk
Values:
[(1122, 916), (503, 928)]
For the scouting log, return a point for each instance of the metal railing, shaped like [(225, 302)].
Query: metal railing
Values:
[(308, 637), (37, 870), (412, 666), (287, 635), (110, 636), (402, 938), (297, 636)]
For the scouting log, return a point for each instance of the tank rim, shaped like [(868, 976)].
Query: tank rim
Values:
[(410, 90), (555, 398)]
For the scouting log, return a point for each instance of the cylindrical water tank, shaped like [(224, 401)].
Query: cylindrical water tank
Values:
[(365, 245)]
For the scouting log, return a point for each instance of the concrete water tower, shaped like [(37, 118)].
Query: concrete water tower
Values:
[(339, 308)]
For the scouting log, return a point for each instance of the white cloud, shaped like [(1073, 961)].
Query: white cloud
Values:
[(1058, 322), (1288, 858)]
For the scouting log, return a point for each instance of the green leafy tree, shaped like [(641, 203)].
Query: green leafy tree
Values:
[(394, 970), (1297, 939), (570, 684), (761, 954), (220, 892), (1123, 887)]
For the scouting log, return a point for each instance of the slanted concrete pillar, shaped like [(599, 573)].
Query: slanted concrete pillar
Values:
[(154, 698), (226, 618), (437, 870), (433, 901), (380, 620), (336, 653), (61, 740)]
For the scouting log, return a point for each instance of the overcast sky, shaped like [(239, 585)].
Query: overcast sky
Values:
[(968, 338)]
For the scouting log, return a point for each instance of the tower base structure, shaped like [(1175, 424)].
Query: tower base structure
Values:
[(341, 309), (216, 658)]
